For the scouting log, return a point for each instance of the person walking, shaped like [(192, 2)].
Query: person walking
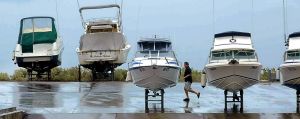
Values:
[(188, 82)]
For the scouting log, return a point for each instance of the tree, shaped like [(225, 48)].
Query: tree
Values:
[(19, 75), (4, 76)]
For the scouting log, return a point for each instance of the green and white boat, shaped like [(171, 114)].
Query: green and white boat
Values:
[(39, 46)]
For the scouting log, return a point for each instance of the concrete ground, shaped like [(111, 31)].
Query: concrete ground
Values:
[(118, 100)]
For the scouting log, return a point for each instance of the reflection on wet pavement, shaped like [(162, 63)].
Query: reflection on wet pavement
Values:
[(122, 97), (166, 116)]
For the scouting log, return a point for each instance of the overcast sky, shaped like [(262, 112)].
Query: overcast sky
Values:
[(189, 24)]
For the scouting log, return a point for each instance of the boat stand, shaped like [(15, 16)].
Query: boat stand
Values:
[(79, 73), (38, 75), (298, 100), (155, 94), (235, 98), (103, 76)]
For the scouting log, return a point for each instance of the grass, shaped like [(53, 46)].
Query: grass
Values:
[(71, 74)]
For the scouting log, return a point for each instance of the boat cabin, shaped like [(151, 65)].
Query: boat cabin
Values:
[(154, 47), (293, 52), (36, 30), (233, 45), (232, 40)]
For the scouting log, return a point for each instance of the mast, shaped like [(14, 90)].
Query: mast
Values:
[(284, 10)]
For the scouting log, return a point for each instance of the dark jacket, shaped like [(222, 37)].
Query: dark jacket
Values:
[(188, 71)]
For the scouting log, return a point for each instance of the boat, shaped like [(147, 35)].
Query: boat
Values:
[(233, 63), (290, 69), (39, 47), (154, 67), (103, 46)]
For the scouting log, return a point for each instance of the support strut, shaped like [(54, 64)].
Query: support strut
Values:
[(160, 99), (235, 99), (298, 100)]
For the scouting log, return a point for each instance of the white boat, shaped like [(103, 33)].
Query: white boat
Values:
[(39, 46), (290, 69), (233, 64), (103, 47), (155, 66)]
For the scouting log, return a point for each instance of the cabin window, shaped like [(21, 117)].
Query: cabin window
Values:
[(155, 54), (233, 54), (37, 25), (161, 46), (42, 25), (219, 55), (292, 55), (148, 46), (244, 54)]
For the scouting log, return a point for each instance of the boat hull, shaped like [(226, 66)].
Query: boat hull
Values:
[(43, 58), (103, 47), (113, 56), (155, 77), (233, 77), (290, 75)]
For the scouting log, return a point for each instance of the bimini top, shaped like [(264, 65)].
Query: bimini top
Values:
[(232, 33), (35, 17), (295, 34), (99, 7), (36, 30), (232, 40)]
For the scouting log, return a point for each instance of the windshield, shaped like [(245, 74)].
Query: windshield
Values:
[(158, 46), (37, 25), (233, 54), (293, 55), (155, 54)]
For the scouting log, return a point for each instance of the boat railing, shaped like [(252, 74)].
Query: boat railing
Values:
[(154, 56), (88, 51)]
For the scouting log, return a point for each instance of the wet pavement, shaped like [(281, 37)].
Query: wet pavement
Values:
[(46, 100)]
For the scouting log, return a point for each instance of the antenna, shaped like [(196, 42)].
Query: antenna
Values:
[(284, 10), (121, 15), (213, 17), (56, 5), (252, 17), (82, 20)]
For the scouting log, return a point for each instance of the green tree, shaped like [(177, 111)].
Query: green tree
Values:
[(4, 76), (120, 74), (265, 74), (19, 75)]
